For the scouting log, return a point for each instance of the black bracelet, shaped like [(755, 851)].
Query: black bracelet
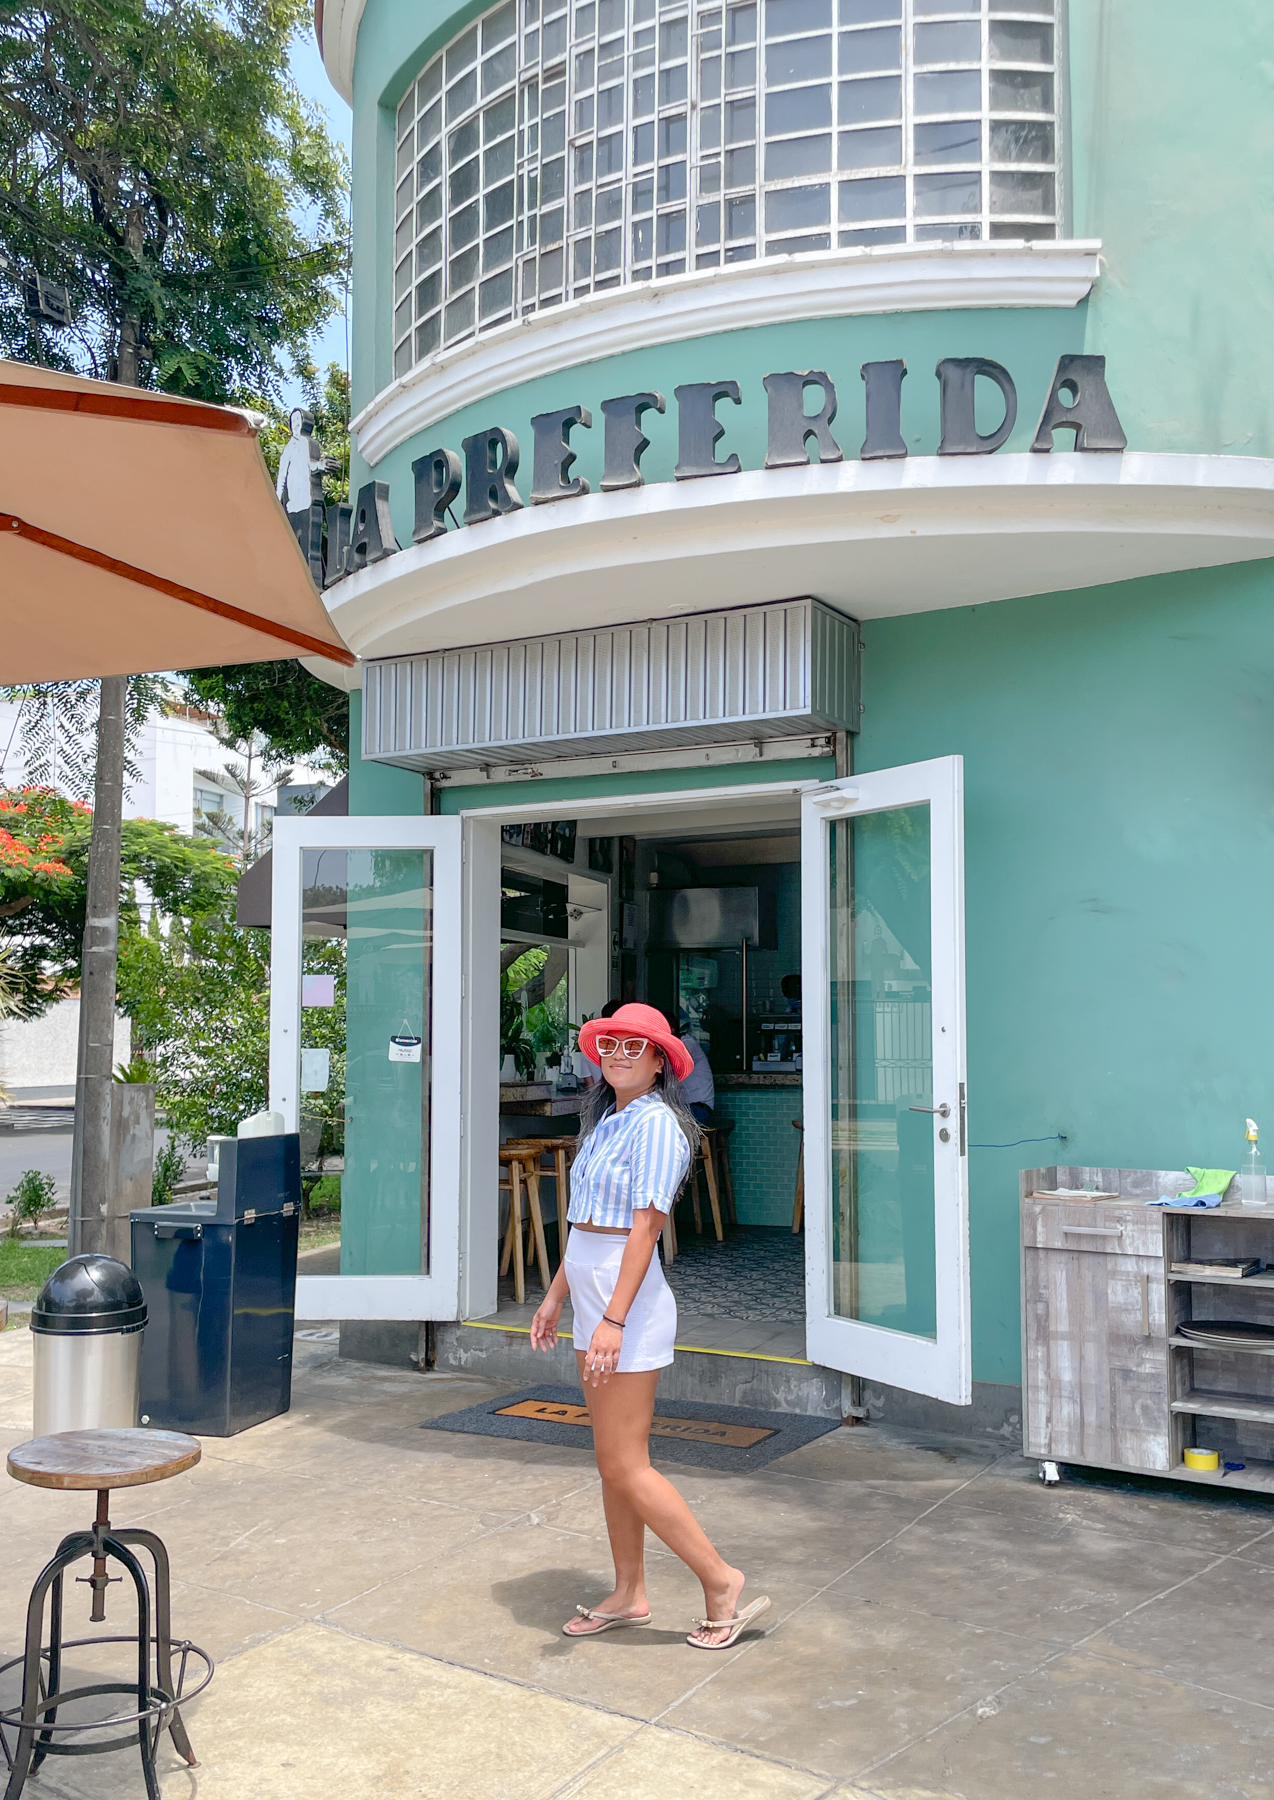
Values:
[(617, 1323)]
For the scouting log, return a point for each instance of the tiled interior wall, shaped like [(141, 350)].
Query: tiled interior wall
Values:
[(763, 1150)]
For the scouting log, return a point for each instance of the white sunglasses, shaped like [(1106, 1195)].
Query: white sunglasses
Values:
[(631, 1047)]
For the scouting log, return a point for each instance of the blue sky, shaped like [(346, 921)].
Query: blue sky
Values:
[(311, 77)]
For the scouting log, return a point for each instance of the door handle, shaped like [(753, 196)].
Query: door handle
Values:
[(1145, 1306), (943, 1111), (1093, 1230)]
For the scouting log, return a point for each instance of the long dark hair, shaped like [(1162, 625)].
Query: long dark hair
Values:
[(599, 1099)]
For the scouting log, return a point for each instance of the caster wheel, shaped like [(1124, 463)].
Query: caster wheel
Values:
[(1049, 1474)]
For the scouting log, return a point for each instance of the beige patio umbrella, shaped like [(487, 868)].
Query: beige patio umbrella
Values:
[(141, 532), (137, 532)]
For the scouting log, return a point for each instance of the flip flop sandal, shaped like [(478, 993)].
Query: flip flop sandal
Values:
[(605, 1622), (733, 1626)]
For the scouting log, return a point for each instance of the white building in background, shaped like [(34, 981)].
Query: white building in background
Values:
[(182, 778), (182, 773)]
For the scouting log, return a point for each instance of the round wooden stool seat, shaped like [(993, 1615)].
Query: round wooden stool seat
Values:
[(102, 1460), (98, 1461)]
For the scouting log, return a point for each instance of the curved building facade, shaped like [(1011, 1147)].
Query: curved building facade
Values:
[(810, 568)]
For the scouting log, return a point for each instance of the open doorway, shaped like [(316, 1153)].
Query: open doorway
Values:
[(695, 910)]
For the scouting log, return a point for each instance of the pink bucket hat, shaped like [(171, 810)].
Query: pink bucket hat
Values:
[(636, 1020)]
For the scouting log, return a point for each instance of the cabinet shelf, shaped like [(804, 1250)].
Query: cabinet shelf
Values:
[(1185, 1343), (1225, 1406), (1265, 1280)]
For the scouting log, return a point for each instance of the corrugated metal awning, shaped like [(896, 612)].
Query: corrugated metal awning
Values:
[(755, 672)]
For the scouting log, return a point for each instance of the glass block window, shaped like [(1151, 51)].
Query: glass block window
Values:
[(557, 148)]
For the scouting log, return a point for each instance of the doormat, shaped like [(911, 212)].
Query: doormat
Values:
[(684, 1431)]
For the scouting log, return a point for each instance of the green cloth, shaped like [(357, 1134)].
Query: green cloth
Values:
[(1208, 1181)]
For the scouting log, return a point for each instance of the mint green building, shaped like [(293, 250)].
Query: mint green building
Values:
[(918, 752)]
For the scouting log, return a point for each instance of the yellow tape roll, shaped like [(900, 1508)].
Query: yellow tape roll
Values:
[(1202, 1459)]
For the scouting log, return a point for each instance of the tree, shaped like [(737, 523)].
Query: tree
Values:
[(199, 999), (157, 160), (44, 854), (257, 774), (297, 715)]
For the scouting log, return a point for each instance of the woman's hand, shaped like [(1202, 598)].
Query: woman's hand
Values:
[(602, 1358), (544, 1324)]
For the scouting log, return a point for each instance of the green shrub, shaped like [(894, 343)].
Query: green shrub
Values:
[(170, 1166), (31, 1199), (325, 1197)]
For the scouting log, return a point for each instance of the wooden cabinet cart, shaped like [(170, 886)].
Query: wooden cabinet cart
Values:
[(1109, 1378)]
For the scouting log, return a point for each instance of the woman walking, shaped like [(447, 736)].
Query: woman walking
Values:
[(636, 1142)]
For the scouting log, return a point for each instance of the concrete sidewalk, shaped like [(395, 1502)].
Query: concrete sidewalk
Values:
[(384, 1605)]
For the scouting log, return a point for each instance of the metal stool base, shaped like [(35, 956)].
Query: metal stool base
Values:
[(36, 1722)]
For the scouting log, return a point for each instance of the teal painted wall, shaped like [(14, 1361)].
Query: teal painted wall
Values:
[(763, 1151), (1170, 132), (378, 787), (1027, 341), (1119, 842)]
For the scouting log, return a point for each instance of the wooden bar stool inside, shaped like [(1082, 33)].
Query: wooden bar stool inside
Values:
[(99, 1461), (521, 1161), (553, 1156)]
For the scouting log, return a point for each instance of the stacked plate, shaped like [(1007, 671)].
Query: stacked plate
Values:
[(1228, 1334)]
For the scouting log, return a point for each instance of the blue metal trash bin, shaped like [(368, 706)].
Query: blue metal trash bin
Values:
[(219, 1278)]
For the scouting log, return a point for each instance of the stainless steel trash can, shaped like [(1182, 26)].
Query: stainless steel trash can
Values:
[(88, 1324)]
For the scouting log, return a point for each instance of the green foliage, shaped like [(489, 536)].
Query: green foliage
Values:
[(158, 160), (539, 1030), (325, 1195), (138, 1071), (44, 845), (170, 1166), (323, 1028), (199, 999), (296, 714), (34, 1196)]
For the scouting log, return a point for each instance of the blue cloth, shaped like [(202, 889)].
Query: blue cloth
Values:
[(1195, 1200), (701, 1112), (632, 1159)]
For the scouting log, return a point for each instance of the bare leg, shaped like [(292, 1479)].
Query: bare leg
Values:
[(621, 1409), (627, 1532)]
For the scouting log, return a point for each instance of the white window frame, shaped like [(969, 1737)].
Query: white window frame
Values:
[(436, 1295), (941, 1367)]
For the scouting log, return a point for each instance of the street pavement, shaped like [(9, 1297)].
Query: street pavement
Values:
[(384, 1605)]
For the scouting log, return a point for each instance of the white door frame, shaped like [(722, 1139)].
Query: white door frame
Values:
[(436, 1295), (941, 1368)]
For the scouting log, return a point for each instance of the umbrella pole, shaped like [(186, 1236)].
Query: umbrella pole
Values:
[(90, 1160)]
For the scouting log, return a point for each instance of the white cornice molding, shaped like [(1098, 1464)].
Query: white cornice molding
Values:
[(338, 39), (874, 539), (822, 284)]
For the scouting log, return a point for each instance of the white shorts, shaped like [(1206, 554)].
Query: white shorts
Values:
[(592, 1269)]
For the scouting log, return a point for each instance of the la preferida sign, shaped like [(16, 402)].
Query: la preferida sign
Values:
[(487, 462)]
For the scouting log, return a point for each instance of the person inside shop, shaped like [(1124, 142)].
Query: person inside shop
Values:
[(699, 1088), (636, 1145)]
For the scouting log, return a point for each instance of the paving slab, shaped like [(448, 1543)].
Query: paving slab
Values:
[(1044, 1579), (943, 1628), (1083, 1728), (843, 1680)]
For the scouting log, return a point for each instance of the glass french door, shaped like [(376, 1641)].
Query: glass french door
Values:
[(886, 1165), (365, 1058)]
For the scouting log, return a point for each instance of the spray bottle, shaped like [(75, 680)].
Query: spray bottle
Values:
[(1252, 1171)]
